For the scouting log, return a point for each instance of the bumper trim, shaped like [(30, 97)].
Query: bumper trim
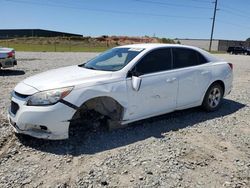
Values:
[(13, 124)]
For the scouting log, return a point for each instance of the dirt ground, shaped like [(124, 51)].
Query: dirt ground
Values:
[(189, 148)]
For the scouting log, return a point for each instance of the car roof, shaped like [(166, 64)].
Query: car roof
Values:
[(154, 45), (150, 46)]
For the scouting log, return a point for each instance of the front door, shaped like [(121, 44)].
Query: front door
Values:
[(158, 88)]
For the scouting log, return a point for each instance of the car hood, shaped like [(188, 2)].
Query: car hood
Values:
[(66, 76)]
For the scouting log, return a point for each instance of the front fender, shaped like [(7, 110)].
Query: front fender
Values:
[(115, 90)]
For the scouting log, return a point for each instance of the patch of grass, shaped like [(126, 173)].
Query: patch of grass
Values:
[(54, 45), (218, 52), (215, 52)]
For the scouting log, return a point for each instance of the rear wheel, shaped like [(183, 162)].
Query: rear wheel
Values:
[(213, 97)]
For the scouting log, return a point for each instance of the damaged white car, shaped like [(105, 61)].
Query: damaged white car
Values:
[(122, 85)]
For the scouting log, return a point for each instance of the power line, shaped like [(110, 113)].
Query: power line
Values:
[(63, 4), (235, 10), (234, 13), (200, 1), (171, 4), (233, 24), (104, 10)]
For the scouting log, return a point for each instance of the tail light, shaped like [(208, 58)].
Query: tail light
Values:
[(11, 54), (231, 66)]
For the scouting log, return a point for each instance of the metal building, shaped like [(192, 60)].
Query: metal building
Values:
[(15, 33), (217, 45)]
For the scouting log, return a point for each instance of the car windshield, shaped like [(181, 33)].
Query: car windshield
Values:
[(113, 60)]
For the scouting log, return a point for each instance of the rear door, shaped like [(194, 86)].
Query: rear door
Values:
[(194, 75)]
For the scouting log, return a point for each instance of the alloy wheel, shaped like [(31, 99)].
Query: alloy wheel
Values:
[(214, 97)]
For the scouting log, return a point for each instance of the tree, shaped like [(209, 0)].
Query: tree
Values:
[(248, 40), (168, 41)]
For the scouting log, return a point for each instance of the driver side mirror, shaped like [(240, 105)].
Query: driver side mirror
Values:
[(136, 83)]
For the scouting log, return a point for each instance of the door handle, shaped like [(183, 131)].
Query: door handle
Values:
[(204, 72), (170, 80)]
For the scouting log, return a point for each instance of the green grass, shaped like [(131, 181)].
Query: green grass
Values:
[(62, 45), (218, 52), (53, 48)]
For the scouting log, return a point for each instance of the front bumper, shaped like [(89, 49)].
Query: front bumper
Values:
[(46, 122)]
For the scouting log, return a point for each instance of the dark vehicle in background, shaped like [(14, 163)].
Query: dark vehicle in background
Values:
[(247, 51), (238, 50)]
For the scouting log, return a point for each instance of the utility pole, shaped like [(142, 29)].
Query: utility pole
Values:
[(212, 32)]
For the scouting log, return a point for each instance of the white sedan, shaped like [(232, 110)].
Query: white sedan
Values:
[(7, 57), (122, 85)]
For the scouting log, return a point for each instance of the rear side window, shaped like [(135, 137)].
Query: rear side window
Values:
[(184, 57), (201, 58), (155, 61)]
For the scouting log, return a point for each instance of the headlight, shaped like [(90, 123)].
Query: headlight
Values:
[(48, 97)]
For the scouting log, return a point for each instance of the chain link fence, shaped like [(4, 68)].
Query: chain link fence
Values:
[(57, 44)]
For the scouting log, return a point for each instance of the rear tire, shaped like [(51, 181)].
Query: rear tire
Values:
[(213, 98)]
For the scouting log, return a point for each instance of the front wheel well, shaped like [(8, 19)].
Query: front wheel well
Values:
[(104, 107)]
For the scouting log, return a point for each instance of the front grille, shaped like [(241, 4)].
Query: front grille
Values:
[(14, 107), (21, 95)]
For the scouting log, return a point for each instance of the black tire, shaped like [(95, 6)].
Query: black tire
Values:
[(213, 98)]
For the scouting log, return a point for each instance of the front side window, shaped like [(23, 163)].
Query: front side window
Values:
[(155, 61), (184, 57), (113, 60)]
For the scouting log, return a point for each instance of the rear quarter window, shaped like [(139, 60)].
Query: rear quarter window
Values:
[(201, 58)]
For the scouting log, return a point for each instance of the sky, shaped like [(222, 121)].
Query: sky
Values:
[(160, 18)]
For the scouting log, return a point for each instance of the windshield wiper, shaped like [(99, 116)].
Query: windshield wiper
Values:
[(92, 68), (87, 67)]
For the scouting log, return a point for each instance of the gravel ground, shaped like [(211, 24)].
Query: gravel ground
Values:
[(189, 148)]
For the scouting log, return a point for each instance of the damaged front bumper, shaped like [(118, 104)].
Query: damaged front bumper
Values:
[(37, 133), (46, 122)]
